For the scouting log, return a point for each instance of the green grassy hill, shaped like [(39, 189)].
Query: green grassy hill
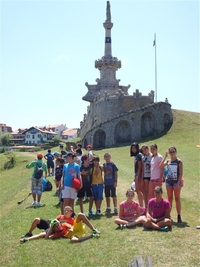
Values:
[(179, 247)]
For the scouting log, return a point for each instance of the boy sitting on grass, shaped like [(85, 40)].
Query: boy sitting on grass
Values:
[(63, 226)]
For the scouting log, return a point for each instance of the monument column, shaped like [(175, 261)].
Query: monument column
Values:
[(108, 26)]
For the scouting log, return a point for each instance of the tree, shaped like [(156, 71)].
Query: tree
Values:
[(5, 139), (54, 141)]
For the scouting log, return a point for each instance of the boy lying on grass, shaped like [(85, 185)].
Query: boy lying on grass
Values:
[(75, 231)]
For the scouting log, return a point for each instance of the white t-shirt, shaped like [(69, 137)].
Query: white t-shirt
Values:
[(155, 169)]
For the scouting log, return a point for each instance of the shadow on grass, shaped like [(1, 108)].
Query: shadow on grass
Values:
[(35, 207), (181, 225)]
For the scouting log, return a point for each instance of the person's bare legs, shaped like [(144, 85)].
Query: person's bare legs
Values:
[(41, 235), (138, 220), (81, 204), (34, 197), (146, 192), (177, 192), (115, 202), (34, 225), (84, 219), (91, 203), (108, 202), (170, 195), (139, 193)]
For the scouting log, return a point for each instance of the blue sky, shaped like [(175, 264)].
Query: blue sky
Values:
[(48, 49)]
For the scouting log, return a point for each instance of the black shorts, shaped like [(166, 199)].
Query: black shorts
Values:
[(44, 224), (147, 178), (85, 190), (110, 191), (50, 164)]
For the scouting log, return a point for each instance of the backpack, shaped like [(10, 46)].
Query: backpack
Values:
[(48, 186), (38, 171)]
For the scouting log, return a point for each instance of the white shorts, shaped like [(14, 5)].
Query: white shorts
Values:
[(69, 192)]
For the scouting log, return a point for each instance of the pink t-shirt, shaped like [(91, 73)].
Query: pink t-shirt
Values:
[(158, 208), (155, 169), (129, 209)]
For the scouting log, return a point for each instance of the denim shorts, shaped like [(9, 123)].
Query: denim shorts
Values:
[(180, 184), (97, 191)]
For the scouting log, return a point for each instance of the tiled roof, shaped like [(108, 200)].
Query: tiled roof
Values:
[(70, 132)]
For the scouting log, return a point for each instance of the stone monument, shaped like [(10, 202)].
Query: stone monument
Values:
[(113, 116)]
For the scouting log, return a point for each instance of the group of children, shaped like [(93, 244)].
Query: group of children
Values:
[(151, 169), (95, 179), (152, 211)]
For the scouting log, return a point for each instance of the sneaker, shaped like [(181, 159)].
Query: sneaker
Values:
[(115, 211), (98, 212), (34, 203), (108, 210), (38, 204), (90, 213), (122, 226), (95, 231), (164, 228), (23, 240), (27, 235), (96, 235), (179, 219)]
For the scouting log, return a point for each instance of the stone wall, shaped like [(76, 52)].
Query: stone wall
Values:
[(130, 126)]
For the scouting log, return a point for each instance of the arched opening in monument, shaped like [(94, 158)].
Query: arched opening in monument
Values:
[(99, 140), (147, 125), (122, 132)]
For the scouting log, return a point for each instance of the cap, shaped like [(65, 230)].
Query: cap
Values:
[(39, 155), (56, 153), (88, 146), (70, 154), (53, 222)]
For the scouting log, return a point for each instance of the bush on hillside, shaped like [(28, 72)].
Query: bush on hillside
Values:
[(11, 162)]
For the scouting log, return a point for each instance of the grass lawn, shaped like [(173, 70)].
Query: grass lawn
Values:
[(179, 247)]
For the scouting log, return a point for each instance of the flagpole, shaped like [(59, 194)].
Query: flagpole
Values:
[(155, 68)]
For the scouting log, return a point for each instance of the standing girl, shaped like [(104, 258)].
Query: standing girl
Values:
[(157, 171), (174, 180), (146, 171), (135, 151)]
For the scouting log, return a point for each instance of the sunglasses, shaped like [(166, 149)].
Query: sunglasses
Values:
[(172, 152), (157, 192), (68, 210)]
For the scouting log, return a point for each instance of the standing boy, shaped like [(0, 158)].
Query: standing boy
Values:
[(97, 183), (70, 170), (50, 162), (110, 181), (36, 183)]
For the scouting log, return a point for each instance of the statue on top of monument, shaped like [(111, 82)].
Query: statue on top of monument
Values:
[(108, 15)]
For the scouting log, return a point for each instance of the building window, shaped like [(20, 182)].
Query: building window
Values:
[(39, 135), (33, 136)]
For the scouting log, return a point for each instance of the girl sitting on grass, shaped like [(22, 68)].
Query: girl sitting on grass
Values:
[(129, 212)]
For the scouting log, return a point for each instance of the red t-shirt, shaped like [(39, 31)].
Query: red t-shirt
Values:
[(67, 220), (62, 232)]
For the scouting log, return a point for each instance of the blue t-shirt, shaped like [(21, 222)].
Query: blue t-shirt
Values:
[(109, 173), (49, 156), (70, 171)]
